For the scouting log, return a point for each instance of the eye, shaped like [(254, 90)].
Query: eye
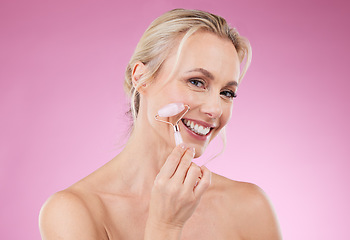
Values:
[(228, 94), (197, 83)]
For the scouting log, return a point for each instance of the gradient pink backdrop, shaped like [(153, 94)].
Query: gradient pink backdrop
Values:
[(62, 104)]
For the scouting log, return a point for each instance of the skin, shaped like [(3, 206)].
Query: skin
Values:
[(151, 190)]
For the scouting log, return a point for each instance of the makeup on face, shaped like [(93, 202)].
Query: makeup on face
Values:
[(205, 78)]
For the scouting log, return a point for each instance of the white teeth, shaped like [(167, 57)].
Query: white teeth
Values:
[(201, 130), (196, 128)]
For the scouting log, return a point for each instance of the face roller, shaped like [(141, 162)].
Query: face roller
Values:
[(171, 110)]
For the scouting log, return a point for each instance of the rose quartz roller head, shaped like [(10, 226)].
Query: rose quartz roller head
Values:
[(171, 110)]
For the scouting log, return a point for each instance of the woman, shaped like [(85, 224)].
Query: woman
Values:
[(152, 190)]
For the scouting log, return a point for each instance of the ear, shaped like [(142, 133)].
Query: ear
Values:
[(138, 70)]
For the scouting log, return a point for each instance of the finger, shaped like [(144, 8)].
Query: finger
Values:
[(204, 183), (172, 162), (184, 164), (192, 176)]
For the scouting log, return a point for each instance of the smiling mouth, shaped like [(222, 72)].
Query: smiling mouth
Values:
[(196, 128)]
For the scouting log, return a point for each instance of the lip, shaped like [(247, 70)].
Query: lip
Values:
[(197, 136), (204, 124)]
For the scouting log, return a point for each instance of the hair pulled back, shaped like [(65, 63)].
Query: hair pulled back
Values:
[(165, 33)]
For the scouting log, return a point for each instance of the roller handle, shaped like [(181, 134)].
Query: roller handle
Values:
[(178, 138)]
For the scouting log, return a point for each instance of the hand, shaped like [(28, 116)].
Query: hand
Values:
[(177, 190)]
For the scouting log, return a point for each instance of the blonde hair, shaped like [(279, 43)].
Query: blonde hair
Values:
[(164, 34)]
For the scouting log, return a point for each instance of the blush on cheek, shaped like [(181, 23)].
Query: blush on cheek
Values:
[(172, 94)]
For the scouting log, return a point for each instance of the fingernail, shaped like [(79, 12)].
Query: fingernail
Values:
[(182, 145)]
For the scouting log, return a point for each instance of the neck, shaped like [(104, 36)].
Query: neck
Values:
[(142, 158)]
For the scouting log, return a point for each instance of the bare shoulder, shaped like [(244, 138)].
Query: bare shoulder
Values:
[(66, 215), (242, 192), (250, 204)]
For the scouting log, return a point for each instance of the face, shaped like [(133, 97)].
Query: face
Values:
[(205, 78)]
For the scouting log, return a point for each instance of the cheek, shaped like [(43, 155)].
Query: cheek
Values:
[(161, 96), (226, 115), (180, 95), (167, 96), (229, 114), (224, 119)]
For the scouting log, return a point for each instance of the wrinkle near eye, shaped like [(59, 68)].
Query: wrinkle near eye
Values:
[(197, 83)]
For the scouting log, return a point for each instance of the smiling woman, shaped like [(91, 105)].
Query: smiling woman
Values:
[(152, 190), (204, 77)]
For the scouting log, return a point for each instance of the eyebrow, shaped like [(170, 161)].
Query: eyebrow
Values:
[(211, 76), (204, 72)]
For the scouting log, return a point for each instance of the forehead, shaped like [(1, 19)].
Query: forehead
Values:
[(204, 50)]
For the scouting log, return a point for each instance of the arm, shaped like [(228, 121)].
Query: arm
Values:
[(175, 195), (65, 216)]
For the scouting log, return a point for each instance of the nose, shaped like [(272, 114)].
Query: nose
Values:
[(212, 106)]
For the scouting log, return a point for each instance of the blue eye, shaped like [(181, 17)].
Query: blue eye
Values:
[(198, 83), (228, 94)]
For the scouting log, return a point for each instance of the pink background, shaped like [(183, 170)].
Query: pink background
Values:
[(62, 105)]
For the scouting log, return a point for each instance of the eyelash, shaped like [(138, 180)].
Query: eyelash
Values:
[(224, 93), (232, 94), (193, 81)]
